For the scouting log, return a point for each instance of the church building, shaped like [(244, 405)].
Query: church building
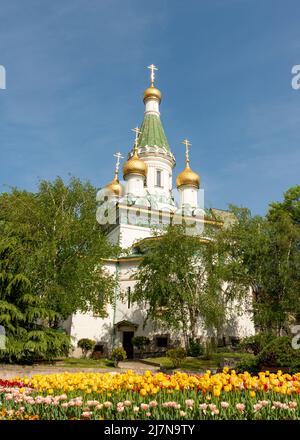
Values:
[(128, 213)]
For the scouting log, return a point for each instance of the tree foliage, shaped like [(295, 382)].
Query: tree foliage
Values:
[(24, 317), (59, 244), (263, 252), (180, 279)]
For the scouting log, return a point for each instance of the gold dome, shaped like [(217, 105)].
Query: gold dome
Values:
[(135, 165), (188, 177), (152, 92), (116, 187)]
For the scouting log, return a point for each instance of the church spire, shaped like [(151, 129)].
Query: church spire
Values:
[(152, 132)]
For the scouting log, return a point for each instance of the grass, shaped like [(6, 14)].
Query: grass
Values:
[(200, 363), (84, 363)]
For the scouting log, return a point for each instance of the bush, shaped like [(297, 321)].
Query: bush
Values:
[(140, 342), (279, 353), (249, 363), (177, 356), (86, 345), (255, 344), (118, 354), (195, 349)]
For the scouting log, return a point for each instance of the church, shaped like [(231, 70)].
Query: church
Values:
[(128, 213)]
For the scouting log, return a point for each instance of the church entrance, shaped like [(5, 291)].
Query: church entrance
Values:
[(127, 344)]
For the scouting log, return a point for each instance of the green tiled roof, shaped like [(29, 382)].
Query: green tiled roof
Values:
[(152, 133)]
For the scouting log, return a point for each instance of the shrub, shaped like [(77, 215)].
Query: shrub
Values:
[(254, 344), (249, 363), (177, 356), (86, 345), (140, 342), (279, 353), (118, 354), (195, 349)]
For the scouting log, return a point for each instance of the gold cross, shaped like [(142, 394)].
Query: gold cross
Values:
[(152, 76), (187, 144), (137, 132), (119, 157)]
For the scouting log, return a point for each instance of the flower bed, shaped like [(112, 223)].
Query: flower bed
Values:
[(131, 396)]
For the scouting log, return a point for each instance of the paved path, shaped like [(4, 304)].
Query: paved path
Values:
[(9, 371)]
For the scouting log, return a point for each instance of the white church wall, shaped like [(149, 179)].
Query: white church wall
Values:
[(188, 196), (129, 234), (164, 165), (135, 185)]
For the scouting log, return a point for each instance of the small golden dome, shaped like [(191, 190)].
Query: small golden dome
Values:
[(135, 165), (152, 92), (116, 187), (188, 177)]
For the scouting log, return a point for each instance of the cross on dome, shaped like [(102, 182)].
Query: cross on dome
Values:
[(187, 144), (152, 67), (119, 157), (137, 132)]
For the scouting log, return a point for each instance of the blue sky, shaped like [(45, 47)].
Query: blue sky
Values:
[(76, 73)]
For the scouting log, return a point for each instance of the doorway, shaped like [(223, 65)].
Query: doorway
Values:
[(127, 344)]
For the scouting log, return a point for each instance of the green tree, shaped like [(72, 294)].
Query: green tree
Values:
[(180, 282), (60, 244), (263, 253), (24, 318), (289, 205), (86, 345)]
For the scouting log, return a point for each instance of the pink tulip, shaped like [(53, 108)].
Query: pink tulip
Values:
[(87, 414), (240, 407), (224, 405), (189, 403), (153, 404), (107, 404)]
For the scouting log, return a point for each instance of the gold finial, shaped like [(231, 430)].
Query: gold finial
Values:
[(119, 157), (187, 144), (137, 132), (187, 176), (152, 75)]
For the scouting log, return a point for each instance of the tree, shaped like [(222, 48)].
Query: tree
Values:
[(290, 205), (86, 345), (263, 253), (60, 245), (24, 318), (180, 282)]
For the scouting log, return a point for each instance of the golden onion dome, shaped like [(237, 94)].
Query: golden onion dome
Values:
[(152, 92), (188, 177), (115, 186), (135, 165)]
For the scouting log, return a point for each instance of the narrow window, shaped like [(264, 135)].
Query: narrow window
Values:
[(158, 178), (128, 297)]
